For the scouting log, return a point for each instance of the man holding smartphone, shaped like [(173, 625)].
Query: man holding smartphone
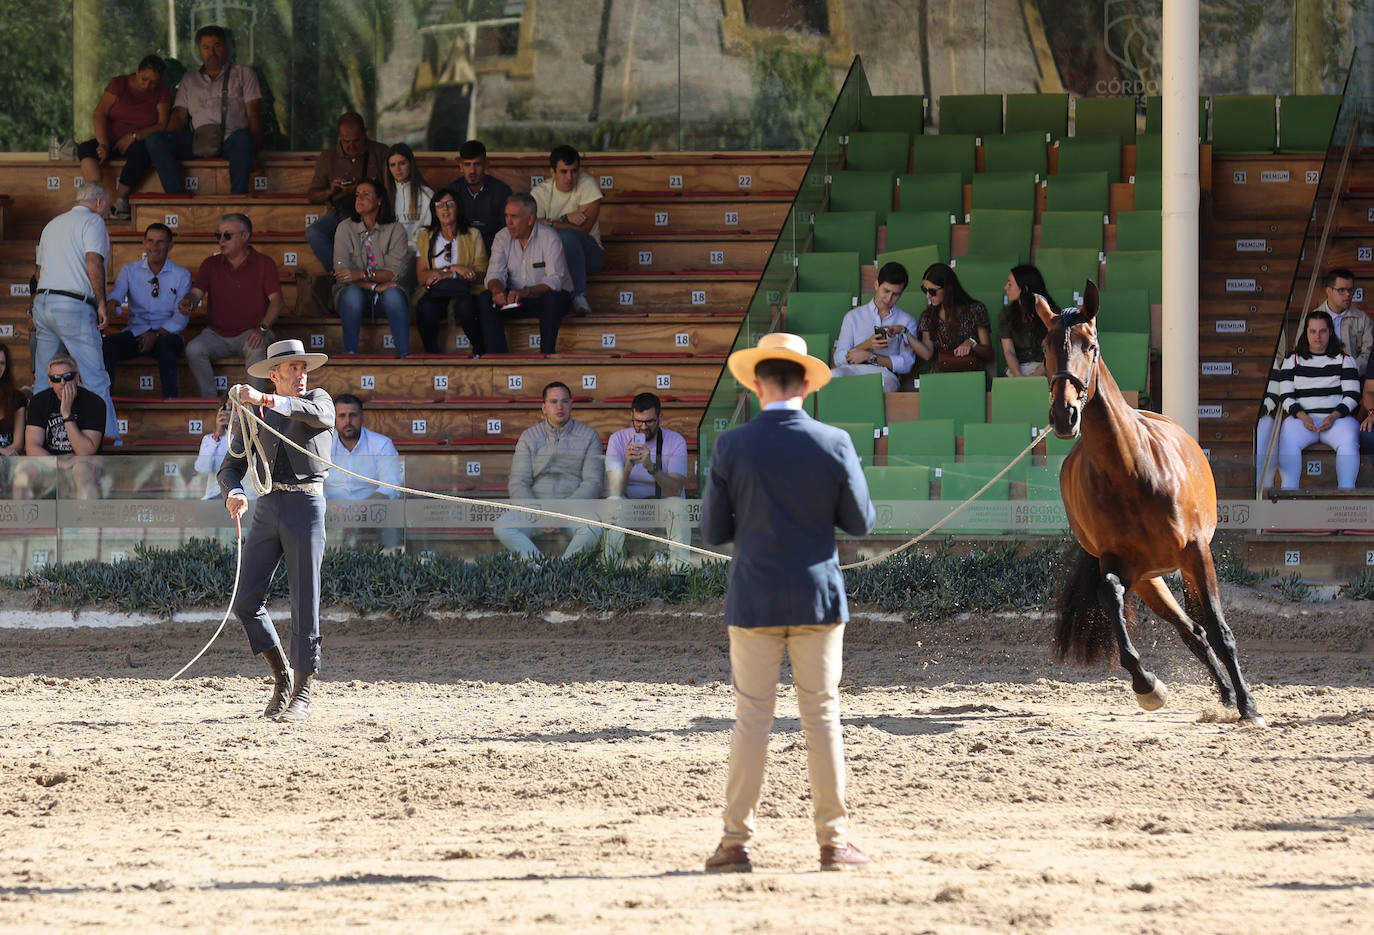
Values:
[(873, 336), (647, 461)]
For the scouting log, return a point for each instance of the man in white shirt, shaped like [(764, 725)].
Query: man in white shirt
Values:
[(873, 336), (527, 275), (364, 452), (1352, 325), (570, 202), (648, 462), (69, 306)]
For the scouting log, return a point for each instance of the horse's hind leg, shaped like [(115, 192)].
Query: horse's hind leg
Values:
[(1111, 594), (1199, 573), (1157, 596)]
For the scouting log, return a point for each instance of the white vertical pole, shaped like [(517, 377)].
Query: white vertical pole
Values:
[(171, 29), (1179, 341)]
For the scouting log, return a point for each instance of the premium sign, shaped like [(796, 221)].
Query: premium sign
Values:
[(1240, 285), (1216, 368), (1275, 175), (1232, 326), (1252, 246)]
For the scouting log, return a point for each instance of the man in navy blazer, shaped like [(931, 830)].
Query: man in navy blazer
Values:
[(777, 488)]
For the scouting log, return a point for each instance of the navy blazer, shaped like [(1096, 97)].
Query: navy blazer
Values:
[(777, 488), (310, 425)]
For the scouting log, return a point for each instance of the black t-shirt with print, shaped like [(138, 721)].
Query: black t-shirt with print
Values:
[(45, 412)]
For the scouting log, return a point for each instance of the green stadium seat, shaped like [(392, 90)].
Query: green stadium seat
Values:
[(1067, 269), (985, 278), (957, 396), (1139, 230), (1154, 115), (996, 443), (1306, 122), (828, 272), (1149, 152), (838, 231), (920, 441), (978, 114), (1243, 123), (1081, 229), (878, 152), (1103, 116), (862, 191), (820, 345), (960, 480), (1000, 233), (818, 312), (1135, 269), (1091, 154), (1149, 191), (1127, 355), (1042, 482), (945, 153), (1016, 152), (1078, 191), (1010, 191), (916, 260), (898, 482), (1124, 310), (905, 113), (852, 399), (1021, 399), (1048, 113), (861, 433), (919, 229), (931, 191)]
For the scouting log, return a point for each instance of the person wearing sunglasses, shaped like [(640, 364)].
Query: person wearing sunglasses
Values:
[(66, 420), (244, 290), (450, 258), (954, 330), (873, 336), (1353, 326), (152, 285)]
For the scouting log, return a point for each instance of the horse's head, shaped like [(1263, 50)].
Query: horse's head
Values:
[(1071, 358)]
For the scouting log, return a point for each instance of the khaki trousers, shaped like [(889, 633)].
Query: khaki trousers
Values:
[(755, 660)]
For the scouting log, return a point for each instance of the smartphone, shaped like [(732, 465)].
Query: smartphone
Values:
[(637, 438), (879, 332)]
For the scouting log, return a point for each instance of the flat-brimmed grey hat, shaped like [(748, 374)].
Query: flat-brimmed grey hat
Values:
[(279, 352)]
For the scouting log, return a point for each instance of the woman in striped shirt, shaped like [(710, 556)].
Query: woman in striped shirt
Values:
[(1320, 388)]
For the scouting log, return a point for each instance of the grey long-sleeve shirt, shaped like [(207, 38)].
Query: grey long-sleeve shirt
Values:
[(563, 464)]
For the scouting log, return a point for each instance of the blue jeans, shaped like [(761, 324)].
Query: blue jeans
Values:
[(65, 322), (355, 301), (136, 160), (170, 148), (550, 308), (320, 236), (583, 255)]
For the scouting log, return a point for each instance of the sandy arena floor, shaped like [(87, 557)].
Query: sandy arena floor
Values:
[(501, 774)]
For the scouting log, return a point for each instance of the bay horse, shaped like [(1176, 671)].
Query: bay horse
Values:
[(1142, 503)]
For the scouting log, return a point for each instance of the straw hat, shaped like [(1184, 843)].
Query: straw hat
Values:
[(778, 346), (279, 352)]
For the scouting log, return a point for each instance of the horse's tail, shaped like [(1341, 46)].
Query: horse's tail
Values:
[(1083, 634)]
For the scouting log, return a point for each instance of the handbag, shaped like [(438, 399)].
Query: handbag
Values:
[(948, 363), (207, 139)]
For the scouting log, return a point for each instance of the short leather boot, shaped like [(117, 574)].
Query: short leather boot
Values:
[(281, 681), (298, 708)]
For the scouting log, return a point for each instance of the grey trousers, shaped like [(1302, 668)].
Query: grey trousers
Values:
[(207, 347), (287, 526)]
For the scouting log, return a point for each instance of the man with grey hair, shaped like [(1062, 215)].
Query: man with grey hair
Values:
[(527, 276), (245, 299), (69, 293)]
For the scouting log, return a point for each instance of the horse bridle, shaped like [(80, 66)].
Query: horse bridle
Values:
[(1069, 374)]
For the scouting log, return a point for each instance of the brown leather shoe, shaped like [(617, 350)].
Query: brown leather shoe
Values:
[(730, 858), (842, 857)]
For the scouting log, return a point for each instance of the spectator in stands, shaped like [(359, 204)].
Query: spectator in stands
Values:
[(410, 197), (570, 203), (557, 459), (364, 452), (873, 336), (245, 301), (954, 329), (1021, 329), (1319, 389), (153, 286), (1264, 428), (1352, 325), (526, 276), (12, 408), (370, 254), (648, 462), (484, 197), (132, 107), (73, 255), (66, 420), (213, 448), (223, 105), (451, 261), (338, 171)]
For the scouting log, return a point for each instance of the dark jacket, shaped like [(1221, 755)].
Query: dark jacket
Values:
[(310, 425)]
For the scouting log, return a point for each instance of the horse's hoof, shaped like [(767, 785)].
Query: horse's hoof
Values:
[(1255, 721), (1155, 698)]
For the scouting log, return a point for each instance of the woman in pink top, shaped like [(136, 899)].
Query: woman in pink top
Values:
[(131, 107)]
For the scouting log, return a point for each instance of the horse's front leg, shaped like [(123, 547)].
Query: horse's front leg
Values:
[(1149, 691), (1157, 596), (1204, 578)]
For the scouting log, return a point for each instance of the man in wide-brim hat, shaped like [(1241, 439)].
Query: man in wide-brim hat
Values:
[(288, 522), (777, 488)]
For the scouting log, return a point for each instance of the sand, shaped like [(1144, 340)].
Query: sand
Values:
[(565, 774)]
